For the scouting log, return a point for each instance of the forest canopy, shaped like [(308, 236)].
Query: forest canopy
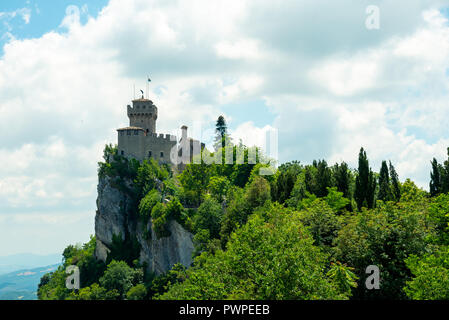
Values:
[(307, 232)]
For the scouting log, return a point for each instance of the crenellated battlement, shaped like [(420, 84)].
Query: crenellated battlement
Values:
[(143, 114)]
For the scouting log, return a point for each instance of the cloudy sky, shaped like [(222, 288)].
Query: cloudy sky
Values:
[(310, 69)]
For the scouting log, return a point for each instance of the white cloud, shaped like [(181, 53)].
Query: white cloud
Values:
[(334, 86), (7, 17), (240, 49)]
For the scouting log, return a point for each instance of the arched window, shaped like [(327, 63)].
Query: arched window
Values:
[(150, 154), (162, 154)]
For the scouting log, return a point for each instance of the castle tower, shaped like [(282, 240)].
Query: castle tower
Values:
[(143, 114)]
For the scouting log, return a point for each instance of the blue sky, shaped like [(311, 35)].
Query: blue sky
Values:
[(309, 69), (45, 16)]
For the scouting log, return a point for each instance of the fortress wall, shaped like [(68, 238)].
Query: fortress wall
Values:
[(157, 145), (131, 144), (139, 146)]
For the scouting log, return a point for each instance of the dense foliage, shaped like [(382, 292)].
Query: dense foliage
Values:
[(307, 232)]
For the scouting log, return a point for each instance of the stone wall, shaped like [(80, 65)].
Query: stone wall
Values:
[(138, 145)]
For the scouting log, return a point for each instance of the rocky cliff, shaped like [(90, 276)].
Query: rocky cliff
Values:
[(114, 217)]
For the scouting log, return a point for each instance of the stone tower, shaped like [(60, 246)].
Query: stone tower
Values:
[(143, 114)]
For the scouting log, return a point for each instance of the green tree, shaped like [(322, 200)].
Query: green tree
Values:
[(430, 276), (236, 213), (342, 176), (209, 217), (121, 277), (94, 292), (125, 248), (439, 177), (195, 179), (365, 183), (384, 183), (411, 193), (218, 187), (385, 237), (336, 200), (439, 215), (149, 174), (147, 204), (137, 292), (52, 285), (322, 222), (299, 191), (395, 184), (221, 130), (258, 192), (323, 178), (286, 177), (253, 268), (160, 220), (158, 285), (310, 179), (435, 178), (343, 275)]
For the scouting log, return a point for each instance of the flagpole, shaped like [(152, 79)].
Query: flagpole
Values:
[(148, 87)]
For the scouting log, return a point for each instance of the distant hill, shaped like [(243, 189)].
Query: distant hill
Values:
[(27, 261), (22, 284)]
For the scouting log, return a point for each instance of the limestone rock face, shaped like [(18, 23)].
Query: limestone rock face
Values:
[(113, 217), (161, 254), (111, 212)]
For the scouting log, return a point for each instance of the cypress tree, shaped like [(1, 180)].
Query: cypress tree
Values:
[(395, 186), (384, 183), (365, 183), (323, 178), (435, 178), (221, 129)]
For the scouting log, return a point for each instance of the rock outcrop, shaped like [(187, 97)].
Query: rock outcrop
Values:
[(114, 217)]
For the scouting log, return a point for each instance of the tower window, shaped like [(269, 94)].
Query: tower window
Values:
[(162, 154), (150, 154)]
